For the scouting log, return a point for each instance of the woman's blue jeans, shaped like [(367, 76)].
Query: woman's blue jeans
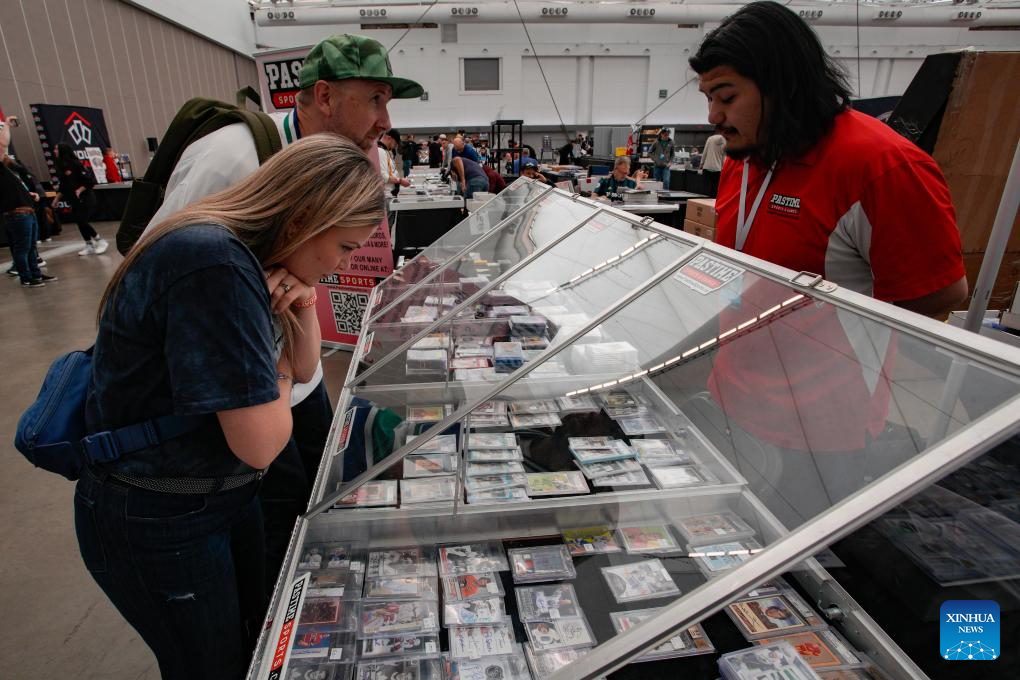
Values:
[(23, 231)]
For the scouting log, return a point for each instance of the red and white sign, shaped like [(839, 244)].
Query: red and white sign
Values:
[(285, 639), (278, 77)]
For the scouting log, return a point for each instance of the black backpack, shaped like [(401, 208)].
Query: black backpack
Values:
[(196, 119)]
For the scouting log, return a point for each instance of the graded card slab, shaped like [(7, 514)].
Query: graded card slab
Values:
[(511, 495), (469, 363), (430, 465), (713, 528), (490, 408), (500, 422), (325, 556), (541, 563), (443, 443), (487, 668), (492, 440), (543, 603), (616, 467), (320, 610), (546, 663), (471, 586), (648, 538), (400, 669), (321, 669), (533, 406), (765, 616), (474, 642), (582, 404), (489, 482), (331, 582), (636, 478), (404, 646), (619, 451), (370, 495), (591, 540), (620, 402), (690, 642), (822, 649), (658, 452), (677, 476), (387, 619), (643, 424), (536, 420), (589, 443), (485, 469), (556, 483), (428, 414), (639, 581), (481, 611), (471, 558), (322, 645), (410, 561), (559, 634), (428, 489), (401, 587), (494, 455), (778, 660), (718, 557)]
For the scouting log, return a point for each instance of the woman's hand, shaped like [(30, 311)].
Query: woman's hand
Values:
[(78, 192), (285, 289)]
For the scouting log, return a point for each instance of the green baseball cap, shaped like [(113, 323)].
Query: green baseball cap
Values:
[(340, 57)]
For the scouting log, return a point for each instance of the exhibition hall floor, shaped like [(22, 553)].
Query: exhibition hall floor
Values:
[(56, 622)]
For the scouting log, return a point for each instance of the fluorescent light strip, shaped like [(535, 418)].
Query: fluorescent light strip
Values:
[(796, 297)]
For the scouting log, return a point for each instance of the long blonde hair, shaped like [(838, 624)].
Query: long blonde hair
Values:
[(319, 182)]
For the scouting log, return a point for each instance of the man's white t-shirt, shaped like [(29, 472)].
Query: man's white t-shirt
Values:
[(715, 148)]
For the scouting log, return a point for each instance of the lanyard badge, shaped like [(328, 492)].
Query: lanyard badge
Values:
[(744, 226)]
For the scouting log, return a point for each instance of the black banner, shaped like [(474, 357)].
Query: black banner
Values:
[(80, 127)]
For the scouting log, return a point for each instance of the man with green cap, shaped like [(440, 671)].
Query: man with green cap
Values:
[(346, 83)]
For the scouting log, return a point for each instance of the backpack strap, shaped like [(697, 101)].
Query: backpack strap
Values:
[(263, 131), (104, 447)]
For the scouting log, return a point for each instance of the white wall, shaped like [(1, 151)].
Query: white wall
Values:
[(226, 22)]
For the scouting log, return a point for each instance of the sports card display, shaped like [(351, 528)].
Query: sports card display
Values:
[(491, 440), (591, 540), (428, 490), (689, 642), (510, 495), (659, 452), (400, 669), (325, 556), (387, 619), (648, 538), (678, 476), (541, 563), (542, 603), (410, 561), (719, 557), (401, 587), (470, 586), (487, 610), (765, 616), (471, 558), (556, 483), (822, 649), (559, 634), (778, 660), (430, 464), (546, 663), (403, 646), (639, 581), (371, 495), (474, 642), (713, 528)]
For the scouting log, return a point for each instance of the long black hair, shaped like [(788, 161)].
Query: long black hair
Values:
[(66, 160), (776, 49)]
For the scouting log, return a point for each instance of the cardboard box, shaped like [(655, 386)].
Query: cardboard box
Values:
[(698, 229), (1005, 282), (701, 210)]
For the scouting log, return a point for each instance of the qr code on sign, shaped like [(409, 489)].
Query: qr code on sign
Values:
[(348, 308)]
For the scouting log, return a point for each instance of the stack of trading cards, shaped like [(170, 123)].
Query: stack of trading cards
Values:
[(427, 361), (397, 618), (428, 490), (473, 346), (492, 440), (481, 483), (599, 449), (541, 563), (622, 405), (469, 363), (544, 603), (443, 443), (767, 615), (502, 495), (475, 374), (544, 664), (640, 424), (644, 580), (471, 586), (299, 668), (716, 558), (472, 558), (779, 659), (388, 588), (433, 341), (521, 326), (506, 311), (591, 540), (509, 667), (400, 669), (507, 356), (404, 646), (419, 314), (446, 301), (432, 413), (613, 467), (583, 404), (556, 484), (404, 561), (690, 642), (485, 611), (660, 452), (522, 422), (678, 476), (556, 634), (534, 406), (374, 494), (648, 538), (486, 469), (631, 478), (430, 464), (824, 650), (476, 642), (723, 526), (533, 342), (490, 414), (494, 455)]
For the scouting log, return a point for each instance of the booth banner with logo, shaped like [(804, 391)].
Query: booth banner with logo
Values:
[(80, 127), (278, 77)]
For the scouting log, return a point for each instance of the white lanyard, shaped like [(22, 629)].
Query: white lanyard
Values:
[(744, 227)]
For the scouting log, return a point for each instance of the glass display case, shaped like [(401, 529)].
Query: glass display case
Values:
[(614, 449)]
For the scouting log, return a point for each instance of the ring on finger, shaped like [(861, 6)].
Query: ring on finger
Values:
[(286, 287)]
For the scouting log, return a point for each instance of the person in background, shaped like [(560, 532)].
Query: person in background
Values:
[(712, 161), (496, 181), (76, 188), (469, 175), (483, 151), (409, 153), (435, 152), (387, 145), (661, 154), (464, 149), (611, 186), (188, 325), (112, 170), (531, 171), (17, 207), (566, 153)]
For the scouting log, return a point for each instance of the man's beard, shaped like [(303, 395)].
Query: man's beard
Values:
[(742, 153)]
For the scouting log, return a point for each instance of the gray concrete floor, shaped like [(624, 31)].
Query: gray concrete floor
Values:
[(54, 620)]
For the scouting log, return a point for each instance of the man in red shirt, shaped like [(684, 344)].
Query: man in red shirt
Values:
[(814, 186)]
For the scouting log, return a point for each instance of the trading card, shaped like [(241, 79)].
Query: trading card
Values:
[(559, 634), (443, 443), (778, 660), (401, 587), (474, 612), (399, 669), (488, 482), (430, 464), (474, 642), (639, 581), (690, 642), (492, 440), (520, 422), (428, 414), (490, 408), (325, 556), (764, 616), (408, 561), (371, 494), (329, 582), (659, 452), (314, 644), (620, 400), (494, 455), (718, 557), (586, 443), (533, 406), (582, 404), (471, 352), (556, 483), (648, 538), (676, 476), (480, 469), (474, 374), (500, 422), (468, 363), (712, 528), (541, 563), (313, 669), (471, 586), (433, 341), (638, 478), (381, 619), (619, 451), (471, 558), (488, 668), (615, 467), (320, 610), (822, 649), (591, 540), (641, 424), (404, 646), (511, 495), (428, 490), (541, 603), (546, 663)]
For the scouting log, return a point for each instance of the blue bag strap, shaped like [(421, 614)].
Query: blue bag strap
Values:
[(104, 447)]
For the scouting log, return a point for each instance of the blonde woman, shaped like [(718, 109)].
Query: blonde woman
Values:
[(190, 324)]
